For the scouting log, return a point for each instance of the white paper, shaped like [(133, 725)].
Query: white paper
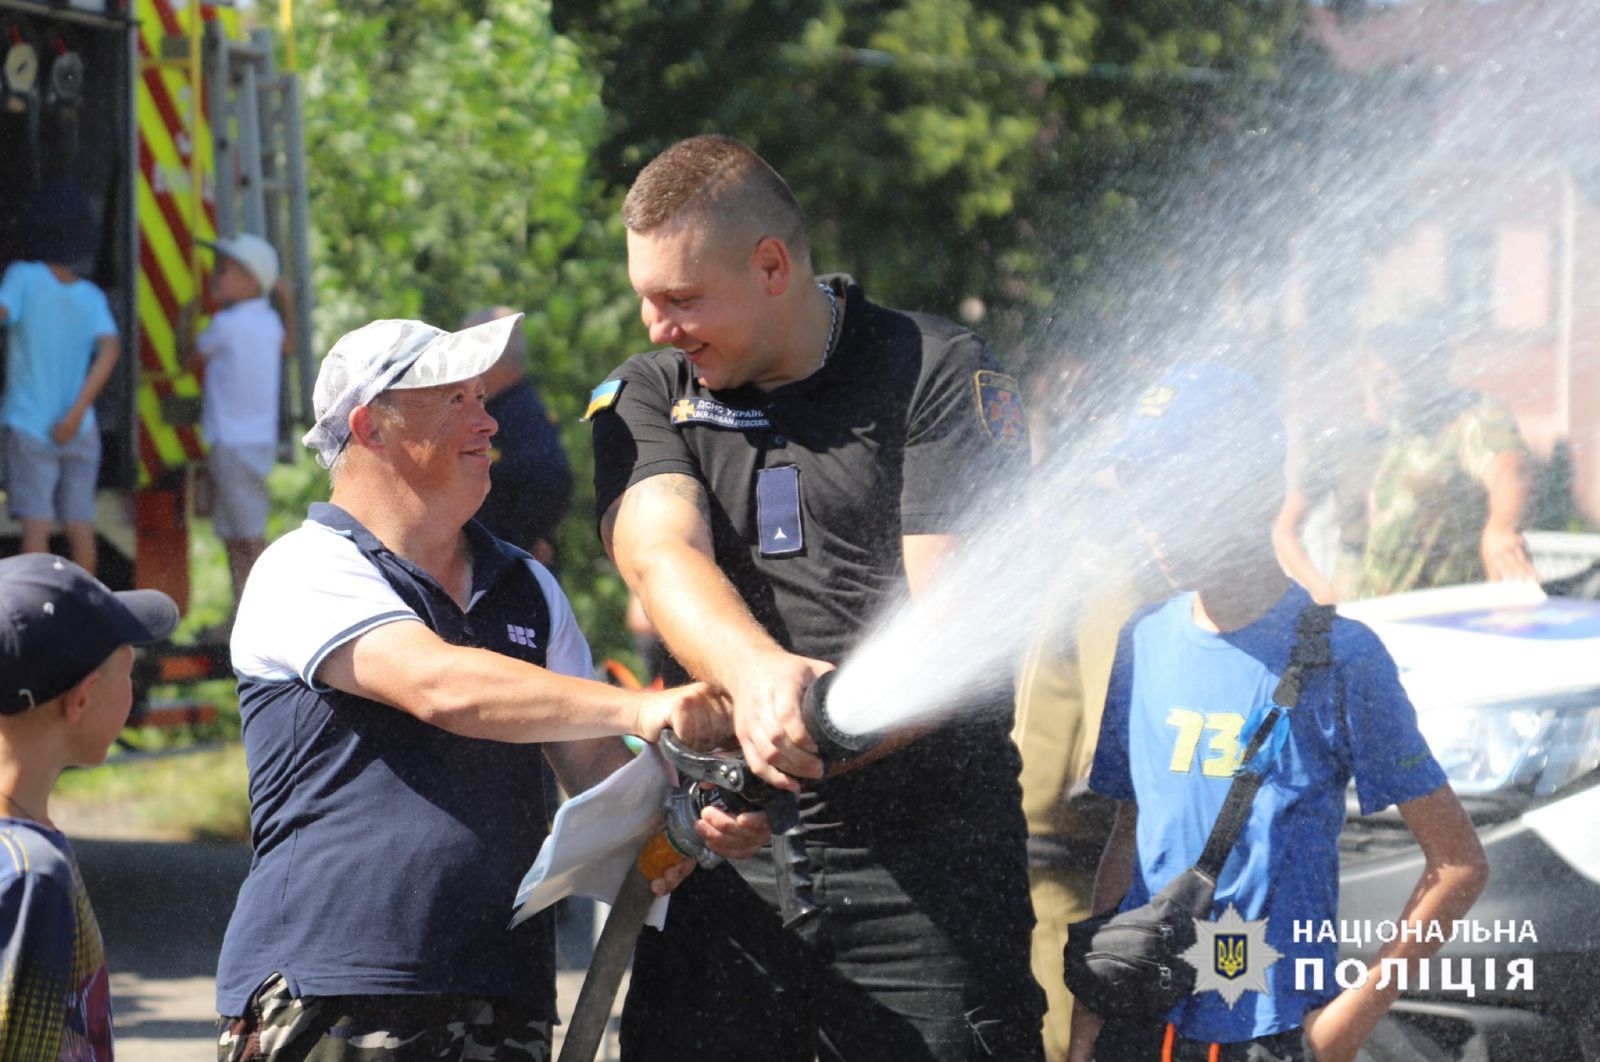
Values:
[(595, 838)]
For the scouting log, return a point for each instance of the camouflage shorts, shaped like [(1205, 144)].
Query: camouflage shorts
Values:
[(280, 1028)]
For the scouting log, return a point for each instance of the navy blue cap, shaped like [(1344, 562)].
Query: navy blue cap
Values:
[(58, 623), (59, 224), (1202, 410)]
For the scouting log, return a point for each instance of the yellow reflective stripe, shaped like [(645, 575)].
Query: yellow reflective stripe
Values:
[(163, 244), (162, 434), (157, 328), (175, 174)]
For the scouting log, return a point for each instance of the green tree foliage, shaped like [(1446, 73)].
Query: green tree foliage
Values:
[(943, 148), (449, 149), (448, 153)]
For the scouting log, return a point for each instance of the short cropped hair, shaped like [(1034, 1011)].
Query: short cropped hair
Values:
[(721, 182)]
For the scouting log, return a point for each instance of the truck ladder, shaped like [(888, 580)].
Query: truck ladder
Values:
[(256, 131)]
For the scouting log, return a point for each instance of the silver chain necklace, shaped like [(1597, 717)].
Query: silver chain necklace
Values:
[(833, 322), (25, 812)]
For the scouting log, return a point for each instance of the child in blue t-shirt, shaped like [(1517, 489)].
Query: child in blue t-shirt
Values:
[(59, 355), (66, 666), (1201, 463)]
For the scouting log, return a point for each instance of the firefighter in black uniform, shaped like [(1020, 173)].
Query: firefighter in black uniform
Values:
[(768, 484)]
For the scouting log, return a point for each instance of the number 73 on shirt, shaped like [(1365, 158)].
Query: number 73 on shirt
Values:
[(1219, 733)]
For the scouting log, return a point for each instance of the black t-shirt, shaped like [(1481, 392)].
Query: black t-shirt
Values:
[(906, 423)]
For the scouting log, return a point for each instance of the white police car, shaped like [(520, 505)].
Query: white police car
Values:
[(1506, 681)]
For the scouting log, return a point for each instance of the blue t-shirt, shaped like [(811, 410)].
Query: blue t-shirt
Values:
[(387, 851), (54, 327), (1177, 705), (55, 995)]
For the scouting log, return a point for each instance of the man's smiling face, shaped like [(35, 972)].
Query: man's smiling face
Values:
[(702, 293), (442, 436)]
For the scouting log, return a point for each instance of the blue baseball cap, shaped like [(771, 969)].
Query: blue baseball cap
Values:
[(58, 623), (59, 224), (1201, 410)]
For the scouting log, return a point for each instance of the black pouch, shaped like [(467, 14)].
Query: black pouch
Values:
[(1127, 966)]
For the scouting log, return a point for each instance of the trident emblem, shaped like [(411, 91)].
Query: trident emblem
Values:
[(1233, 954)]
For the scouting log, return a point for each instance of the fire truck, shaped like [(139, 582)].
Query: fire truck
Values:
[(182, 124)]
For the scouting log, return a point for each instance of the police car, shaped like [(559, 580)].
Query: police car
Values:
[(1506, 681)]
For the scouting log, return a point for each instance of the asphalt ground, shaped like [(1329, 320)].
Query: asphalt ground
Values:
[(163, 907)]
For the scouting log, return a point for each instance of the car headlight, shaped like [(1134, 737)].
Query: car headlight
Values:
[(1530, 747)]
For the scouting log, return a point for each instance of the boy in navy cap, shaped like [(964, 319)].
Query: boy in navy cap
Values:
[(1201, 462), (65, 691)]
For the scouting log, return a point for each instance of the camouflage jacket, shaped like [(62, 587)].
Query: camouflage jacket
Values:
[(1429, 501)]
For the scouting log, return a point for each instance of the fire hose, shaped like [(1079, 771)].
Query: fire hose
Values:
[(706, 778)]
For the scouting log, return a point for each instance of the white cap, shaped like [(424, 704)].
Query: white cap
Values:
[(252, 252), (395, 355)]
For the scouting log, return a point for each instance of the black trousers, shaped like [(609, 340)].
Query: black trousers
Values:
[(920, 953)]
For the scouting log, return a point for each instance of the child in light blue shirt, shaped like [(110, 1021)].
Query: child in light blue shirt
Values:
[(61, 349)]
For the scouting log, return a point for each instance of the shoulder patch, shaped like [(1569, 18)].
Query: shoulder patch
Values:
[(710, 411), (603, 398), (1000, 409)]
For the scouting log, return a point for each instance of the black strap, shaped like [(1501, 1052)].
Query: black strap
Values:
[(1311, 650)]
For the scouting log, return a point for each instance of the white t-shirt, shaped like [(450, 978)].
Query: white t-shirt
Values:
[(313, 590), (243, 349)]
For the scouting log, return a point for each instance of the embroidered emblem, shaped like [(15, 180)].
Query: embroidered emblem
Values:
[(710, 411), (521, 635), (1000, 409)]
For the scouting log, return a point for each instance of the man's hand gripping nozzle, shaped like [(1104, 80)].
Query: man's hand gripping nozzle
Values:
[(725, 779)]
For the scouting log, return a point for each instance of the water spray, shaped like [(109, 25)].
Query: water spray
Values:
[(834, 744)]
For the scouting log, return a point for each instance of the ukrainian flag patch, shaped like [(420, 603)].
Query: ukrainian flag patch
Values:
[(602, 398)]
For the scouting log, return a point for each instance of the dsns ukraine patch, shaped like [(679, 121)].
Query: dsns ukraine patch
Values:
[(1000, 409)]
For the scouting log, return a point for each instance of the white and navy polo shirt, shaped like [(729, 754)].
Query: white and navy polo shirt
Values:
[(387, 850)]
